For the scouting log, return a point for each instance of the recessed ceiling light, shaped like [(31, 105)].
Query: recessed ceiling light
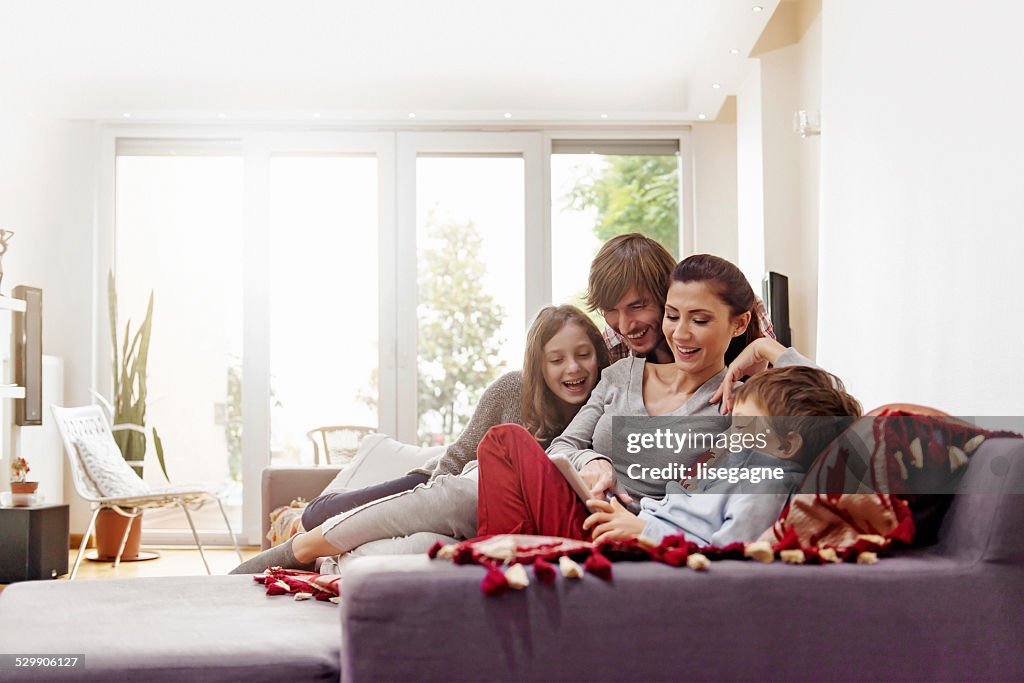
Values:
[(716, 86), (734, 51), (316, 115), (757, 8), (604, 116), (702, 116), (222, 115), (412, 115), (127, 115), (507, 115)]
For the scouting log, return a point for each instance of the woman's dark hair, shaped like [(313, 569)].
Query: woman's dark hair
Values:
[(542, 415), (730, 285)]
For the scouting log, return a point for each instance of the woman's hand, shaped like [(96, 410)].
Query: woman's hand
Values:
[(611, 521), (751, 361), (599, 476)]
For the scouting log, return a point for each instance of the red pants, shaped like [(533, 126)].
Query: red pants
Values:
[(521, 492)]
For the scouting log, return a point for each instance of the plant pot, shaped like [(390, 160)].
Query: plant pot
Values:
[(109, 532), (28, 487)]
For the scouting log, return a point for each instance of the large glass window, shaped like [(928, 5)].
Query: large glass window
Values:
[(179, 236), (604, 188), (323, 298), (470, 239)]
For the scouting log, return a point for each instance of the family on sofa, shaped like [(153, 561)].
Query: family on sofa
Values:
[(683, 335)]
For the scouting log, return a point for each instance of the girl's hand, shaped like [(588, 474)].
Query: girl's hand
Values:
[(611, 521), (752, 360)]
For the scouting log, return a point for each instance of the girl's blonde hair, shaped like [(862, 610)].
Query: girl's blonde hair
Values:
[(542, 415)]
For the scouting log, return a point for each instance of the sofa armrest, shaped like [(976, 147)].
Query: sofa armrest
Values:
[(282, 485)]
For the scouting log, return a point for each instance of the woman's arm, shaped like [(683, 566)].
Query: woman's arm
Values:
[(754, 359), (498, 405)]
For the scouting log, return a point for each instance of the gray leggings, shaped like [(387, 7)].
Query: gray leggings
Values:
[(446, 506)]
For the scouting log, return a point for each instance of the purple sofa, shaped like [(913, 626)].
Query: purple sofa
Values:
[(954, 611)]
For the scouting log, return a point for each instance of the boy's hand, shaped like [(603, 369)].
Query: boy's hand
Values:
[(611, 521)]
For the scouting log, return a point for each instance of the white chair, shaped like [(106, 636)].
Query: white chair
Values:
[(340, 442), (78, 425)]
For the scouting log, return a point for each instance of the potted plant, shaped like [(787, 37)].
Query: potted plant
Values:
[(20, 470), (128, 421), (23, 493), (128, 412)]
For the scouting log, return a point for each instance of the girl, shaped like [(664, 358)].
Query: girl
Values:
[(565, 354), (707, 319)]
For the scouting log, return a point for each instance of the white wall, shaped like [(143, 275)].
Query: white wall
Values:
[(922, 203), (791, 80), (47, 191), (750, 177), (714, 188), (777, 174)]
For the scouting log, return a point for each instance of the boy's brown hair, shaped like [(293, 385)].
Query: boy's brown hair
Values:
[(797, 399), (625, 261)]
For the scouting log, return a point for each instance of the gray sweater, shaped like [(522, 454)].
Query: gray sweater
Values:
[(620, 394), (500, 404)]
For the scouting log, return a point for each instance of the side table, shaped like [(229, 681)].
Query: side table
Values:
[(33, 542)]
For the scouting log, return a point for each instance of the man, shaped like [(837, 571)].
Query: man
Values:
[(628, 282)]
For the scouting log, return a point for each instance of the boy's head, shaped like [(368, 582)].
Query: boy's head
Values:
[(627, 284), (797, 403)]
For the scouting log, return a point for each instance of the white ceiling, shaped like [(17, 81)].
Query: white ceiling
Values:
[(379, 60)]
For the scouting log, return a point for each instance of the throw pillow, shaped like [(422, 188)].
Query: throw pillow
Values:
[(380, 458), (285, 522), (870, 479), (109, 474)]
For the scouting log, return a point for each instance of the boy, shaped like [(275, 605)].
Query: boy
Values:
[(787, 408)]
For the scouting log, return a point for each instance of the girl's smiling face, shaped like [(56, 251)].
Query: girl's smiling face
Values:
[(570, 365)]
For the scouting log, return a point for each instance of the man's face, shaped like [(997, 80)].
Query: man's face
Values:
[(637, 317)]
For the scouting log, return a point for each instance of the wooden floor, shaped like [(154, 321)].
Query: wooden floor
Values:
[(173, 561)]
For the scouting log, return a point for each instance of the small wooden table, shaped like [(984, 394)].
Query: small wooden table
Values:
[(34, 542)]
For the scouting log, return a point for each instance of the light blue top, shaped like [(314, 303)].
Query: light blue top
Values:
[(717, 512)]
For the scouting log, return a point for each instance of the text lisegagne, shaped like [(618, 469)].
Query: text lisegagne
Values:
[(676, 472)]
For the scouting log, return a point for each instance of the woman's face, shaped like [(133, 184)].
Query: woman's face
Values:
[(699, 326), (570, 365)]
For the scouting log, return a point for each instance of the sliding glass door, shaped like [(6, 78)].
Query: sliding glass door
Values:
[(179, 239)]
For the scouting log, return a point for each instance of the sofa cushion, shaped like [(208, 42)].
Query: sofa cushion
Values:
[(193, 628), (380, 458)]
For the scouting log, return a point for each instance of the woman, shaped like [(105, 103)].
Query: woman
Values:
[(707, 323), (565, 354)]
